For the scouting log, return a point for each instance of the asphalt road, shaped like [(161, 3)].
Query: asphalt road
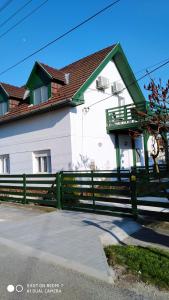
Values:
[(22, 271)]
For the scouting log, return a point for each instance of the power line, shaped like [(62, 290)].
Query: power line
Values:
[(152, 71), (135, 81), (145, 69), (15, 13), (60, 37), (5, 5), (24, 18), (154, 65)]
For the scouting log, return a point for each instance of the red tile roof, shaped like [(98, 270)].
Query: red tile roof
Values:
[(54, 73), (13, 91), (79, 71)]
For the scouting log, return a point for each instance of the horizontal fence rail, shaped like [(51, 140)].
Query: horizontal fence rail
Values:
[(133, 192), (96, 191), (117, 192), (39, 188)]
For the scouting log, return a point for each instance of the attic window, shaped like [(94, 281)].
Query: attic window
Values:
[(3, 107), (40, 95)]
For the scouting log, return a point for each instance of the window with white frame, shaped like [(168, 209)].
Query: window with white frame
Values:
[(42, 161), (4, 164), (3, 107), (40, 95)]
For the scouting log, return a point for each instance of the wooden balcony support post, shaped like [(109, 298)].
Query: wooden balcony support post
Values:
[(118, 163)]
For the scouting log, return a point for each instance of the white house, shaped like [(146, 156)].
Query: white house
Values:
[(75, 118)]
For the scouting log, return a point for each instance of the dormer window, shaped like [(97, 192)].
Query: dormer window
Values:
[(40, 95), (3, 108)]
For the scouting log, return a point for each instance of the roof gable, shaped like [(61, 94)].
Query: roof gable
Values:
[(80, 71), (38, 77), (117, 55), (3, 94), (43, 74), (13, 91)]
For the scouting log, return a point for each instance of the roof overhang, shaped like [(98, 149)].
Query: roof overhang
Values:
[(35, 111)]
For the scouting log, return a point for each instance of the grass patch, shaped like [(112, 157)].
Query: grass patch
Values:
[(151, 265)]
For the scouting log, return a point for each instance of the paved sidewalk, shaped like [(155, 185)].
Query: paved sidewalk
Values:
[(70, 239)]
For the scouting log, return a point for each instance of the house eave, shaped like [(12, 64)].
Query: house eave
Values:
[(37, 111)]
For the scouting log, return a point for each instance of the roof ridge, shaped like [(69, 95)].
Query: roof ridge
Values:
[(12, 85), (76, 61), (41, 63), (94, 53)]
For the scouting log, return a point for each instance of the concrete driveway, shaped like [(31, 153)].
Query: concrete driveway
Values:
[(69, 240)]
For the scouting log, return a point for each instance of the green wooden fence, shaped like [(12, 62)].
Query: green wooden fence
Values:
[(112, 192), (121, 192), (26, 188), (96, 191), (152, 192)]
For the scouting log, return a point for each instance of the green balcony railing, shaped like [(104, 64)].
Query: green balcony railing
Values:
[(126, 117), (123, 116)]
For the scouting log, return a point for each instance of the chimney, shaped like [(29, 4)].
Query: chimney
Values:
[(67, 78)]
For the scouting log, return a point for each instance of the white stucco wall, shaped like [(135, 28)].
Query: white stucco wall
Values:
[(48, 131), (90, 142)]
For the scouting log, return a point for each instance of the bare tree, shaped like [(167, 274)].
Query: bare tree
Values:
[(154, 118)]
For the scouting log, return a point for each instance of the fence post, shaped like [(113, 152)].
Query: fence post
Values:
[(93, 189), (133, 193), (24, 200), (58, 190), (118, 174)]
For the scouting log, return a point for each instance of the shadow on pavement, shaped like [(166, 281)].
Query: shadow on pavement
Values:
[(104, 229), (150, 236)]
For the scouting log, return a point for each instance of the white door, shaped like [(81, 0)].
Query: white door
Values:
[(126, 154)]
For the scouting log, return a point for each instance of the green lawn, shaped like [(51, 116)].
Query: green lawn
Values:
[(150, 264)]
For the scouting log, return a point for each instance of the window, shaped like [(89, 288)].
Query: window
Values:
[(3, 107), (42, 161), (4, 164), (121, 101), (40, 95)]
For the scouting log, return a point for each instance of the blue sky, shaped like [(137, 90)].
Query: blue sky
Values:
[(141, 26)]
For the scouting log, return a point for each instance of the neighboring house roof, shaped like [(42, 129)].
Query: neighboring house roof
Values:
[(13, 91), (54, 73), (81, 73)]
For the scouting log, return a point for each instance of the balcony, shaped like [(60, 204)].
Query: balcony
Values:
[(124, 117)]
